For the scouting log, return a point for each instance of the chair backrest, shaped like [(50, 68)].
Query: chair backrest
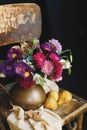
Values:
[(19, 21)]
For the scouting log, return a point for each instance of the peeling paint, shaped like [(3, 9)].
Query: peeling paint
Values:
[(12, 18)]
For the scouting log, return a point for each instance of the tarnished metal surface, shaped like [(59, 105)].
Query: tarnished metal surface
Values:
[(19, 21)]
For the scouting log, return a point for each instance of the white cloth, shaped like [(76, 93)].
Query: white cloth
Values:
[(48, 120)]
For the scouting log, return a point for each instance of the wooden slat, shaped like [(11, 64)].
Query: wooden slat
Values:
[(19, 21), (73, 109)]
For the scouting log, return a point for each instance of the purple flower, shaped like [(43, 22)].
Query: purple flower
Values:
[(23, 70), (47, 48), (14, 53), (8, 68)]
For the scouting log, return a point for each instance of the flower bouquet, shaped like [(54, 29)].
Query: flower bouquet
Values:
[(36, 63)]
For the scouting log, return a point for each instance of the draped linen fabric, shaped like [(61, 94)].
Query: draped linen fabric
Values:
[(48, 120)]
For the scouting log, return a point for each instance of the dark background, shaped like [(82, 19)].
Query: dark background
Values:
[(66, 21), (69, 25)]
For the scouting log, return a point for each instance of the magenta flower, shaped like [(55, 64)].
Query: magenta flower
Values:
[(8, 68), (14, 53), (57, 72), (25, 83), (39, 59), (47, 68), (54, 56), (56, 44)]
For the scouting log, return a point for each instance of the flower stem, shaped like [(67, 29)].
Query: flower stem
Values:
[(68, 50)]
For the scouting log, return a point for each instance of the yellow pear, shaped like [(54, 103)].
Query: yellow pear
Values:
[(51, 104), (53, 94), (64, 97)]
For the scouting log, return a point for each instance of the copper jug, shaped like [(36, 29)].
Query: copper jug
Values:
[(30, 98)]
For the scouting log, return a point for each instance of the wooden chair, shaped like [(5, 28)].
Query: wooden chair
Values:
[(19, 21), (23, 21)]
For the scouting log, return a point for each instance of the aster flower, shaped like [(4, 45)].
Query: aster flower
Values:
[(25, 83), (14, 53), (25, 71), (54, 56), (39, 59), (56, 44), (47, 68), (47, 48), (8, 68), (57, 72)]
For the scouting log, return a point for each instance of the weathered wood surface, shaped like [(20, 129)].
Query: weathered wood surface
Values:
[(19, 21), (73, 109), (67, 112)]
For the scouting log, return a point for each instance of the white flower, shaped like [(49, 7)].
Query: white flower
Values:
[(38, 79), (65, 63)]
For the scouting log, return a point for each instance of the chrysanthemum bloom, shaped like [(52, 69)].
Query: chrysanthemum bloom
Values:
[(47, 68), (25, 83), (47, 48), (8, 68), (54, 56), (57, 71), (39, 59), (56, 44), (14, 53)]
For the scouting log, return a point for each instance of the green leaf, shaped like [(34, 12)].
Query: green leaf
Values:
[(35, 42), (71, 58), (69, 71), (30, 51)]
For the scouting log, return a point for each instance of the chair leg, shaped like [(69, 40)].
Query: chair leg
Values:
[(70, 127), (80, 122)]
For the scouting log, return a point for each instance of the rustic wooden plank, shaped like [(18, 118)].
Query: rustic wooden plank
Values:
[(19, 21)]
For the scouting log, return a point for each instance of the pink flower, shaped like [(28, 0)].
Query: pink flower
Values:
[(56, 44), (39, 59), (47, 68)]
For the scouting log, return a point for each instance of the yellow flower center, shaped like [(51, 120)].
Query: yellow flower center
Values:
[(26, 74), (19, 69), (47, 49), (14, 55), (47, 67)]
